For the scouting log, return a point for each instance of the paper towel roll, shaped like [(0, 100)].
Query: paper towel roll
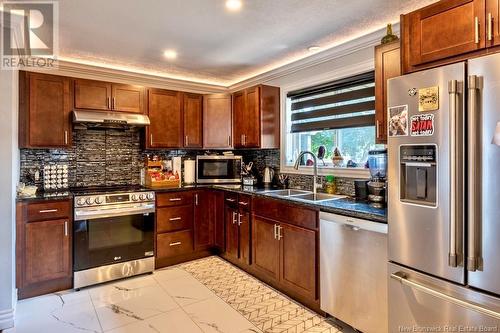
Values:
[(189, 171), (177, 166)]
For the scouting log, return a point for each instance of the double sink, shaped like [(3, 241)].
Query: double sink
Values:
[(302, 195)]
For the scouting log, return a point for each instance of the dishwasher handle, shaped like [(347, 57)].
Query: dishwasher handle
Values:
[(354, 224)]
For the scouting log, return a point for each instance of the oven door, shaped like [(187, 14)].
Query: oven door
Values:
[(218, 169), (107, 240)]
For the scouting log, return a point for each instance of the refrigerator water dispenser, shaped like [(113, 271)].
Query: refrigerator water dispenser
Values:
[(418, 174)]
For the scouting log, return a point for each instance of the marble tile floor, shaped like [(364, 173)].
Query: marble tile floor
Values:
[(205, 295)]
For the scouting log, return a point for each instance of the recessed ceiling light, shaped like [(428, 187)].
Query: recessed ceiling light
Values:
[(170, 54), (313, 48), (234, 5)]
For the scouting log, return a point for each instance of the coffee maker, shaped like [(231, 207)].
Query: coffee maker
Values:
[(377, 186)]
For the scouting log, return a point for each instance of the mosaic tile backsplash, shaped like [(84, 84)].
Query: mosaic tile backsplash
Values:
[(115, 157)]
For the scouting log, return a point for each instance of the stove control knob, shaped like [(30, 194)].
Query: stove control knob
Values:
[(151, 196), (99, 200), (89, 201), (134, 197), (80, 201), (142, 196)]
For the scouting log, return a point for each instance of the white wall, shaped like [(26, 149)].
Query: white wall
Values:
[(9, 170)]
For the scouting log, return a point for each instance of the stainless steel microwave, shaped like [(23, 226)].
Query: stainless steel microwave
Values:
[(218, 169)]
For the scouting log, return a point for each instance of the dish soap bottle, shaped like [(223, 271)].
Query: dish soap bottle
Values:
[(330, 186)]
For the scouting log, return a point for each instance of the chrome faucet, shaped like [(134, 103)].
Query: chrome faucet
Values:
[(315, 166)]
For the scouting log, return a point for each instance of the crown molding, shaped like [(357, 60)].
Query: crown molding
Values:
[(95, 72), (85, 71), (365, 41)]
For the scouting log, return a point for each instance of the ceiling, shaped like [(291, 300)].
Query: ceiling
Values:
[(214, 45)]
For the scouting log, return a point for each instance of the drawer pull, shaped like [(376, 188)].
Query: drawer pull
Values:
[(66, 229), (48, 211), (243, 203), (230, 200), (175, 243), (175, 218), (175, 199)]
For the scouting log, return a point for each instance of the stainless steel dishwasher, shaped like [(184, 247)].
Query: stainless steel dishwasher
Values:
[(353, 271)]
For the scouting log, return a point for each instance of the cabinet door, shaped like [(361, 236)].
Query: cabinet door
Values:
[(45, 105), (251, 137), (231, 217), (265, 247), (446, 29), (93, 95), (387, 65), (165, 115), (239, 121), (298, 259), (204, 219), (127, 98), (217, 121), (492, 22), (244, 236), (193, 120), (47, 251)]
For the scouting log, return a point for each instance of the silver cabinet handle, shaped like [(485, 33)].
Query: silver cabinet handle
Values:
[(352, 227), (175, 243), (229, 140), (178, 218), (65, 137), (474, 172), (230, 200), (455, 183), (403, 279), (239, 219), (280, 235), (151, 139), (243, 203), (377, 125), (108, 101), (66, 228), (476, 30), (234, 217), (186, 140), (244, 139), (48, 211), (276, 231), (490, 26), (175, 199), (196, 199), (113, 103)]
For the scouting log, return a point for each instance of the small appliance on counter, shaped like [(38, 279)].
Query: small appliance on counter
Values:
[(361, 189), (218, 169), (377, 162), (268, 176)]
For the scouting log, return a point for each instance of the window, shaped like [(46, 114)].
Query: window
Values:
[(339, 116)]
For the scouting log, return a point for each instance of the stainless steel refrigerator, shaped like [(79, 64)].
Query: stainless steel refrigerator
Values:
[(444, 198)]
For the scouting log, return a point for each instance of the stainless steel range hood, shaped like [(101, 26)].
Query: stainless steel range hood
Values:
[(104, 119)]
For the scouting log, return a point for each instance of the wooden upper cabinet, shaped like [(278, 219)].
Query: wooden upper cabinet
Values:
[(444, 29), (387, 65), (165, 115), (93, 95), (98, 95), (127, 98), (256, 121), (44, 111), (47, 251), (217, 121), (492, 22), (193, 120)]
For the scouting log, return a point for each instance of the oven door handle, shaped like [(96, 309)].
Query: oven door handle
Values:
[(92, 214)]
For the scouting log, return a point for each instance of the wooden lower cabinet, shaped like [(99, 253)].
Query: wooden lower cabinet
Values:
[(43, 248), (244, 236), (265, 247), (219, 228), (298, 259), (204, 219), (171, 244)]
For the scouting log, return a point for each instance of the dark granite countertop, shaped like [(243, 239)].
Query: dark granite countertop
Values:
[(344, 206)]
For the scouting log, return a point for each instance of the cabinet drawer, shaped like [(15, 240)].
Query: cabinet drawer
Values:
[(174, 199), (172, 244), (289, 213), (174, 218), (244, 202), (48, 210)]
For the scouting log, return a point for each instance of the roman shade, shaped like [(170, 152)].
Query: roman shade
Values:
[(340, 104)]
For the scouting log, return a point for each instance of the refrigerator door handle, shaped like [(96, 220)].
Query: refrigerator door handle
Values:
[(456, 149), (473, 172), (403, 279)]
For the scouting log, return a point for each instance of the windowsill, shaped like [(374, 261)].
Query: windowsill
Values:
[(337, 172)]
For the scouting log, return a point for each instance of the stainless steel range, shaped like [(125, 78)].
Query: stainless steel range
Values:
[(113, 234)]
